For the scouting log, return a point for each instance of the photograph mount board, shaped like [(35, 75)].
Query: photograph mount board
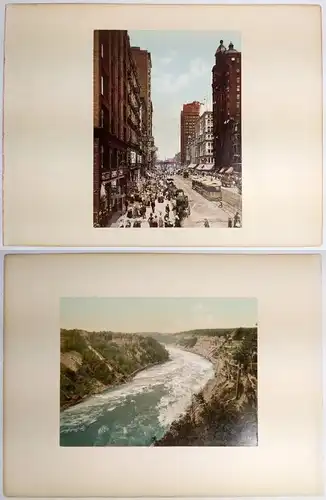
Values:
[(288, 458), (48, 123)]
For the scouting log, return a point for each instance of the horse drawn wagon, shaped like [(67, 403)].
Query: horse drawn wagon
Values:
[(182, 204)]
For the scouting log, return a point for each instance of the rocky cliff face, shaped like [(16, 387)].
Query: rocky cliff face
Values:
[(90, 362), (224, 413)]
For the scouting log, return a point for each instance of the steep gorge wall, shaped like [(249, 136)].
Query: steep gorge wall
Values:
[(224, 413), (90, 362)]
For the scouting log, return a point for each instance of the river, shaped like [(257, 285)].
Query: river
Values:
[(132, 414)]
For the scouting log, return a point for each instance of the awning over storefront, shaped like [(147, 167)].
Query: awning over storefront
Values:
[(208, 167), (205, 167), (192, 165), (221, 171), (229, 170)]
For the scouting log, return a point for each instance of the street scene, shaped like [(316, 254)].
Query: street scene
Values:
[(170, 200), (143, 113)]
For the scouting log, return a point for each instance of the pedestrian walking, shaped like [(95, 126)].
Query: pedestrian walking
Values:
[(236, 222), (153, 205), (206, 223), (135, 211), (155, 222), (143, 211), (160, 221), (167, 222), (150, 220), (177, 221), (229, 222)]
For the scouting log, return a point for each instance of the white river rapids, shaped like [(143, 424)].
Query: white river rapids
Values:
[(132, 414)]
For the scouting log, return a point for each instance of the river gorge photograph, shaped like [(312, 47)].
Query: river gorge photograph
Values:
[(158, 372)]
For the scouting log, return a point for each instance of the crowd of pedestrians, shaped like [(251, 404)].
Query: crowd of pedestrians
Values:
[(150, 205)]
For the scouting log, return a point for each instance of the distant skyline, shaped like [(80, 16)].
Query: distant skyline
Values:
[(182, 64), (164, 315)]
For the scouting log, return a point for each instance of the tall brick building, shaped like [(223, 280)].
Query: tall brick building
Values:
[(144, 65), (188, 118), (226, 90), (117, 115)]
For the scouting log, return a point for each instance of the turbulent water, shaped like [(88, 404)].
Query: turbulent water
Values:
[(136, 412)]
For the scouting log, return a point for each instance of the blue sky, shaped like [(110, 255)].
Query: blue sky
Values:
[(182, 62), (163, 315)]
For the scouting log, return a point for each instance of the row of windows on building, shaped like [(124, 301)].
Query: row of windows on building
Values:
[(237, 71), (205, 159), (207, 149), (204, 136), (228, 90), (228, 99), (205, 130)]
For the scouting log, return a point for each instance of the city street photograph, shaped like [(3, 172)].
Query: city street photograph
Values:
[(167, 129), (158, 372)]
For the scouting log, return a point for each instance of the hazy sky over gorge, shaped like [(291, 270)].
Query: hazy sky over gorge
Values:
[(166, 315)]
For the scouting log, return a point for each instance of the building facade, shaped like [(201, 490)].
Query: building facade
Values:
[(204, 139), (226, 91), (192, 152), (188, 118), (177, 158), (117, 117), (144, 64)]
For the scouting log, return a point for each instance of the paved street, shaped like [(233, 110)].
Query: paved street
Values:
[(201, 208)]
